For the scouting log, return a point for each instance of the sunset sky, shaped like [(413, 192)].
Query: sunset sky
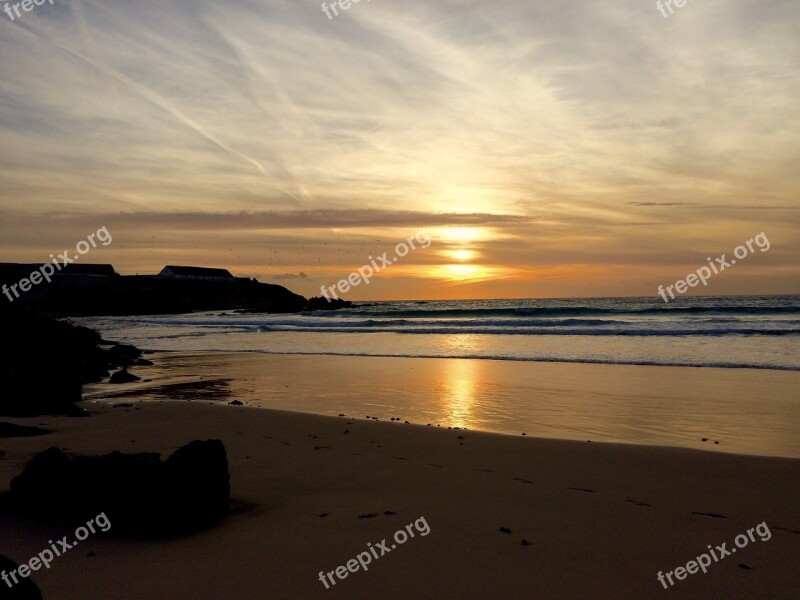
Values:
[(549, 149)]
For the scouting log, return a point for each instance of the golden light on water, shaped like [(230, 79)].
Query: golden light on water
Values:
[(461, 377)]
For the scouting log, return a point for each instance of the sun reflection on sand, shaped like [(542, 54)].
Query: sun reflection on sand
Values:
[(460, 381)]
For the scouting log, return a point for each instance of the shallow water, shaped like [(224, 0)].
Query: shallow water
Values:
[(748, 411), (732, 332)]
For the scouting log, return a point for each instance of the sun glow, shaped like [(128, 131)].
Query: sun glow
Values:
[(464, 273), (464, 234), (462, 255)]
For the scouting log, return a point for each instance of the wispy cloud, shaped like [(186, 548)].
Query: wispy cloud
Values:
[(565, 130)]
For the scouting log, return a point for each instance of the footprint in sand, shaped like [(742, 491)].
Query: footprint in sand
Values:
[(637, 503), (784, 529)]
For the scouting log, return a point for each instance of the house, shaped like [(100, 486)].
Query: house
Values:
[(196, 274), (89, 269)]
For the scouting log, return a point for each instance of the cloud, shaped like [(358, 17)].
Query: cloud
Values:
[(247, 132), (663, 203)]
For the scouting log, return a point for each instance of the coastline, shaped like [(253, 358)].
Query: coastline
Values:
[(752, 412), (601, 519)]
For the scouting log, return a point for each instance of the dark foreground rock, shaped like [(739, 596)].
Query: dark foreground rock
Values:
[(140, 494), (25, 589), (11, 430)]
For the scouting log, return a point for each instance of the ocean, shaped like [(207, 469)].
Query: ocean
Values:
[(759, 332)]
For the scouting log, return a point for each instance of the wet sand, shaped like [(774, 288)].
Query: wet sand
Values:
[(748, 411)]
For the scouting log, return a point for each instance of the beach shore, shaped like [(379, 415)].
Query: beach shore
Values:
[(601, 519), (740, 411)]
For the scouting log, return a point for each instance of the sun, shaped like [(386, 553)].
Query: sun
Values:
[(461, 254)]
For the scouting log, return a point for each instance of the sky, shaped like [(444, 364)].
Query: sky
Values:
[(548, 149)]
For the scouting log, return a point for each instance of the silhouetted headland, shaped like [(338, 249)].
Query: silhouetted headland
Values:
[(91, 289)]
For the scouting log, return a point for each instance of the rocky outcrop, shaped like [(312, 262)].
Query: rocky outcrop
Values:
[(44, 363), (12, 430), (84, 294), (140, 494), (24, 589), (320, 303), (122, 376)]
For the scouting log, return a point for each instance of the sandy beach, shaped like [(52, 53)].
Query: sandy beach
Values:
[(600, 520)]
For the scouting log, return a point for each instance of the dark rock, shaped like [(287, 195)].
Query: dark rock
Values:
[(122, 355), (10, 430), (505, 530), (140, 494), (320, 303), (25, 589), (44, 363), (123, 376), (201, 480), (235, 403), (41, 364)]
